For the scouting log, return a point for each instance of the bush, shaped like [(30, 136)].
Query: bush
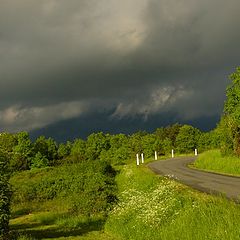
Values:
[(5, 195), (88, 186)]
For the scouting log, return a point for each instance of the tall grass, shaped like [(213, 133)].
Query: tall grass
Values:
[(156, 208), (214, 161)]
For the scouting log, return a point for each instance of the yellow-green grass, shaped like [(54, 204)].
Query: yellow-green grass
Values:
[(213, 161), (156, 208)]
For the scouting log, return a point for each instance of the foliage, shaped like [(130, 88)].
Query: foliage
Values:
[(39, 161), (89, 186), (78, 150), (7, 142), (47, 148), (231, 116), (5, 195), (64, 150), (187, 139), (97, 142), (22, 152)]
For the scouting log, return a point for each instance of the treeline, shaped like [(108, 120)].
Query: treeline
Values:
[(24, 154)]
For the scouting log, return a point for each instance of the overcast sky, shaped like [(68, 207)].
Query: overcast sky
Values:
[(61, 59)]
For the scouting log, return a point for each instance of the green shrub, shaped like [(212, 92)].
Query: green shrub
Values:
[(88, 186), (5, 195), (39, 161)]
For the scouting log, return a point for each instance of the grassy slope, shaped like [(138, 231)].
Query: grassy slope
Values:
[(150, 207), (213, 161), (52, 218)]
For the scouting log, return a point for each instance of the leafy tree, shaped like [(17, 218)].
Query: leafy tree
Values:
[(171, 132), (160, 134), (39, 161), (148, 144), (78, 150), (64, 150), (7, 142), (22, 152), (47, 147), (167, 146), (119, 150), (187, 139), (135, 142), (231, 117), (5, 195), (96, 143)]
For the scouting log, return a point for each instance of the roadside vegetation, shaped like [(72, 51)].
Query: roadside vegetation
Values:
[(153, 207), (214, 161)]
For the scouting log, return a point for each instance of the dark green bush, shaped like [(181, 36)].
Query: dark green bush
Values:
[(5, 196), (89, 186)]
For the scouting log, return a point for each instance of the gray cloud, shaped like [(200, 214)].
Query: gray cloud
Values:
[(141, 57)]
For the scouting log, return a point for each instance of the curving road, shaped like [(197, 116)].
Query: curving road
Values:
[(204, 181)]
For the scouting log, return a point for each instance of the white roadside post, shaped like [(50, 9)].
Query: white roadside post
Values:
[(142, 158), (155, 155), (137, 160), (172, 153), (196, 153)]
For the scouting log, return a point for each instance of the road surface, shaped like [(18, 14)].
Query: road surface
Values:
[(204, 181)]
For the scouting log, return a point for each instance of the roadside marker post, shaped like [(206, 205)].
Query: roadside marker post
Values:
[(137, 159), (196, 153), (142, 158), (172, 153), (155, 155)]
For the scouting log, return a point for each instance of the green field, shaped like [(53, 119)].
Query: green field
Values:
[(148, 207)]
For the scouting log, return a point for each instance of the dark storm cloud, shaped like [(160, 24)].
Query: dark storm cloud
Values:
[(60, 59)]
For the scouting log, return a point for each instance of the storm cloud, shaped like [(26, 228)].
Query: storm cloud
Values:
[(140, 58)]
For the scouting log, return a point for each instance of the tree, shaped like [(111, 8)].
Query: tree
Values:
[(47, 147), (148, 144), (135, 142), (97, 142), (7, 142), (64, 150), (171, 132), (231, 116), (119, 150), (187, 139), (78, 150), (39, 161), (22, 152)]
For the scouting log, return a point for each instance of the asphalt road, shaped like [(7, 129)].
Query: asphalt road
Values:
[(206, 182)]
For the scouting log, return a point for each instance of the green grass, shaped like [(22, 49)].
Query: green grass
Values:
[(214, 161), (156, 208)]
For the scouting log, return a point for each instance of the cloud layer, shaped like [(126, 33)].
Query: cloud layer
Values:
[(62, 59)]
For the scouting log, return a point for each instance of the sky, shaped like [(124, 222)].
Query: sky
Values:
[(80, 66)]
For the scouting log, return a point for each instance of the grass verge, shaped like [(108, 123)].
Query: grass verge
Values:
[(215, 162), (156, 208)]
